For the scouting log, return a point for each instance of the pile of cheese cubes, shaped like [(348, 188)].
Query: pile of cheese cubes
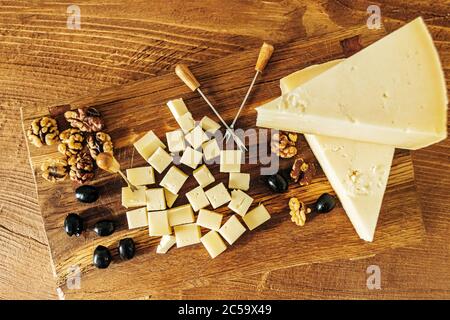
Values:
[(157, 211)]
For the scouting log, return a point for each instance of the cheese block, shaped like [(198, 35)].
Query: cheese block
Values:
[(256, 217), (196, 137), (209, 219), (155, 199), (180, 215), (240, 202), (133, 198), (392, 92), (197, 198), (141, 176), (218, 195), (170, 198), (158, 224), (177, 107), (213, 243), (137, 218), (357, 171), (187, 234), (232, 230), (173, 180), (167, 242), (203, 176), (148, 144), (160, 160)]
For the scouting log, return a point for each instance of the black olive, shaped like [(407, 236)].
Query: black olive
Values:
[(73, 224), (325, 203), (87, 194), (126, 248), (277, 183), (104, 228), (102, 257)]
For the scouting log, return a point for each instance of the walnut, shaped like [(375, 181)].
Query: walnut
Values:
[(55, 170), (85, 119), (82, 168), (71, 142), (284, 144), (298, 211), (303, 172), (99, 142), (43, 131)]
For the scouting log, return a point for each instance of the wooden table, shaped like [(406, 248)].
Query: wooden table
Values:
[(42, 61)]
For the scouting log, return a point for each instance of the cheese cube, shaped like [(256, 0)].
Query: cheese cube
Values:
[(158, 224), (133, 199), (137, 218), (211, 149), (240, 202), (175, 141), (170, 198), (203, 176), (232, 229), (187, 234), (209, 219), (177, 107), (230, 160), (173, 180), (180, 215), (213, 243), (256, 217), (197, 198), (196, 137), (160, 160), (141, 176), (239, 181), (192, 158), (209, 125), (155, 199), (186, 122), (165, 244), (218, 195), (148, 144)]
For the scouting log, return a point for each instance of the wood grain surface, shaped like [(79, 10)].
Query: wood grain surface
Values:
[(43, 62), (131, 110)]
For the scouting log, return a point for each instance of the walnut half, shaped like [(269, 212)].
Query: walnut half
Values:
[(284, 144), (98, 143), (298, 211), (85, 119), (43, 131), (303, 172), (55, 170)]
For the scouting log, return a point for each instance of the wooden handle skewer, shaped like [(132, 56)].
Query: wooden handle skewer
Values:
[(107, 162), (183, 72)]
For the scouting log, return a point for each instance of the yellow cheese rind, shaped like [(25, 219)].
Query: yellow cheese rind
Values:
[(203, 176), (211, 149), (141, 176), (213, 243), (209, 219), (192, 158), (230, 160), (160, 160), (218, 195), (232, 230), (393, 92), (148, 144), (240, 202), (158, 224), (137, 218), (187, 234), (173, 180), (155, 199), (180, 215), (256, 217), (197, 198), (132, 199), (238, 180), (170, 198)]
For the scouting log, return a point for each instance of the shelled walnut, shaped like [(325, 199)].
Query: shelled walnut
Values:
[(71, 142), (303, 172), (99, 142), (284, 144), (82, 168), (55, 170), (298, 211), (43, 131), (85, 119)]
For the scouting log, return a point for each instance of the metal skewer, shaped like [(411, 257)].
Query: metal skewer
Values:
[(107, 162), (263, 58), (188, 78)]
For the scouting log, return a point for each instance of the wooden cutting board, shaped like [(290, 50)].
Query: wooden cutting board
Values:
[(131, 110)]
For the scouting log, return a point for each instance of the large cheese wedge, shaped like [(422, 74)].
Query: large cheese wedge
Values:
[(357, 171), (392, 92)]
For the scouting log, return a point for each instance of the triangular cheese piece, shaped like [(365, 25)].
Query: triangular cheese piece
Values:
[(357, 171), (392, 92)]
